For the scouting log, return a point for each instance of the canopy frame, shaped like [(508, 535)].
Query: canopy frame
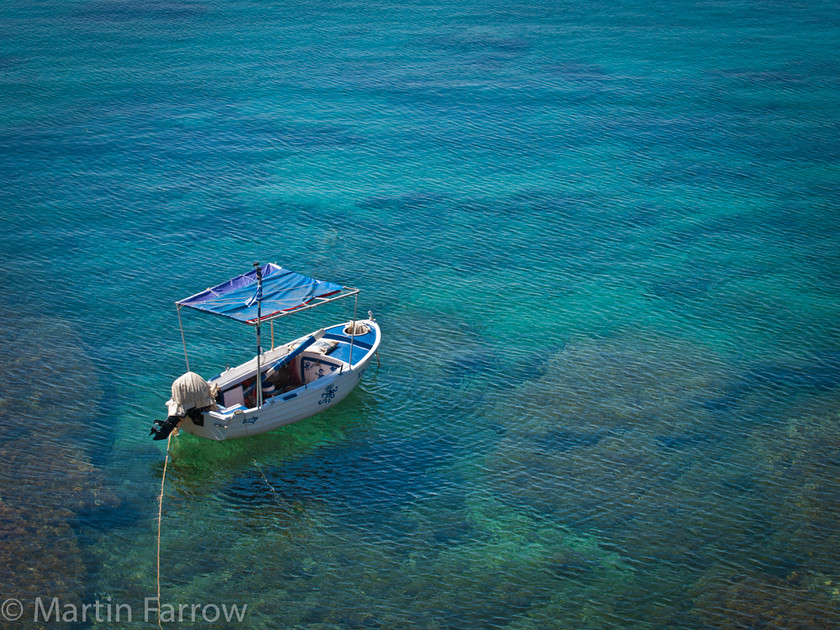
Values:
[(286, 292), (315, 301)]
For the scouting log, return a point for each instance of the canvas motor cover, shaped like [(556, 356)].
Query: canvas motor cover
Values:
[(190, 390)]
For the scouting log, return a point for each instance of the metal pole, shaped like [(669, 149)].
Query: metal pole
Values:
[(183, 341), (353, 329), (259, 316)]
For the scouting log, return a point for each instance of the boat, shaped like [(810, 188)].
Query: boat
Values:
[(297, 379)]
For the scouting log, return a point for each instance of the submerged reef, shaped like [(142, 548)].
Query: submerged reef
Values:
[(618, 441), (795, 581), (764, 600), (50, 394)]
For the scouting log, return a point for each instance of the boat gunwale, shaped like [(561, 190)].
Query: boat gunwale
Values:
[(346, 369)]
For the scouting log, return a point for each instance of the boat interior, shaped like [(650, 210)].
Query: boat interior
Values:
[(281, 377)]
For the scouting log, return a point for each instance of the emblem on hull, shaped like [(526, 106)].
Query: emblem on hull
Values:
[(328, 394)]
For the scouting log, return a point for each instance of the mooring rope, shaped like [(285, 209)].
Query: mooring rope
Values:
[(160, 517), (277, 498), (285, 505)]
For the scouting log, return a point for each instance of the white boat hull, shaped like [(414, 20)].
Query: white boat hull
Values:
[(320, 390)]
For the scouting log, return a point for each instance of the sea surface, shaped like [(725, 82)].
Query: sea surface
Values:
[(602, 240)]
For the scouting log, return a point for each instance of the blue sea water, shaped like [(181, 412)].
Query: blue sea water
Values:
[(603, 243)]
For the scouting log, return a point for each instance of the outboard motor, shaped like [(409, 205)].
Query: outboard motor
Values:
[(162, 428), (191, 396)]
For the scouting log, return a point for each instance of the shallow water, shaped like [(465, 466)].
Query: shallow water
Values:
[(601, 241)]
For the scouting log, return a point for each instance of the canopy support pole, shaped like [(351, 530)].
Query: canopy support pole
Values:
[(183, 341), (353, 329), (258, 297), (272, 334)]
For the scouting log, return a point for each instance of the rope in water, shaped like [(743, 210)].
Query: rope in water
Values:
[(277, 498), (160, 517), (285, 505)]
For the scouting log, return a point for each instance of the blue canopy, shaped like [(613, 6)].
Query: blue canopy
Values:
[(283, 292)]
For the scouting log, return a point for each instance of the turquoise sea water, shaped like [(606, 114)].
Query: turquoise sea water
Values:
[(603, 244)]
